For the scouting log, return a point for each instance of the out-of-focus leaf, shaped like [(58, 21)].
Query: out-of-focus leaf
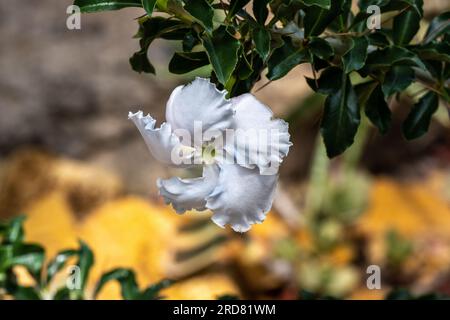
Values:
[(419, 118), (31, 256), (397, 79), (341, 117), (261, 36), (183, 62), (105, 5), (202, 11), (285, 58), (152, 292), (355, 57), (126, 279), (321, 48), (377, 110), (222, 50), (405, 26), (149, 5), (58, 262), (25, 293), (14, 230), (438, 26), (85, 262)]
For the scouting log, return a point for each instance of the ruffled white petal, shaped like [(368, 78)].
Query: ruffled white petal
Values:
[(199, 102), (259, 140), (242, 197), (162, 142), (187, 194)]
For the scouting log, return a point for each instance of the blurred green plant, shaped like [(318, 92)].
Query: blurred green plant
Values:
[(240, 42), (15, 252)]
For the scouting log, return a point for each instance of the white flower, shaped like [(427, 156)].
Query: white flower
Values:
[(236, 143)]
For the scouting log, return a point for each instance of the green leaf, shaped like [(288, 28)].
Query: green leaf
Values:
[(438, 26), (152, 292), (14, 230), (329, 81), (364, 4), (397, 79), (126, 279), (284, 59), (183, 62), (30, 256), (139, 62), (405, 26), (202, 11), (106, 5), (439, 51), (321, 48), (260, 10), (419, 118), (341, 118), (377, 110), (394, 55), (189, 42), (235, 6), (317, 19), (25, 293), (57, 263), (85, 262), (355, 57), (149, 5), (261, 36), (222, 50), (325, 4)]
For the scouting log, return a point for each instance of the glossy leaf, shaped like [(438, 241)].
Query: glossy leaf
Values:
[(183, 62), (260, 10), (105, 5), (341, 118), (321, 48), (30, 256), (317, 19), (405, 26), (397, 79), (202, 11), (57, 263), (355, 57), (222, 49), (438, 26), (14, 230), (149, 5), (377, 110), (152, 292), (285, 58), (419, 118), (325, 4), (394, 55), (236, 5), (261, 36), (85, 262)]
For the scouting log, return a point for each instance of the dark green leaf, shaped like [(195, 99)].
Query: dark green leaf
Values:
[(14, 230), (149, 5), (341, 118), (397, 79), (321, 48), (325, 4), (434, 51), (152, 292), (405, 26), (31, 256), (330, 81), (189, 42), (377, 110), (438, 26), (285, 58), (419, 118), (260, 10), (202, 11), (355, 57), (105, 5), (126, 279), (222, 49), (85, 262), (261, 36), (25, 293), (183, 62), (235, 6), (317, 19), (364, 4), (394, 55), (140, 63), (55, 265)]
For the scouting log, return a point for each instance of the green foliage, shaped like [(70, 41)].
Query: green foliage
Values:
[(14, 252), (239, 42)]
